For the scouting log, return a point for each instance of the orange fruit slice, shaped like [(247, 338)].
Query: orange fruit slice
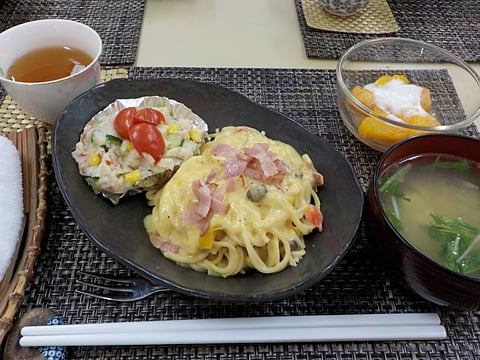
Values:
[(419, 120), (382, 80), (365, 96), (378, 130)]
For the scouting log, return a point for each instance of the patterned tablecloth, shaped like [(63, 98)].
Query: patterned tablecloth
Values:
[(452, 25), (357, 285)]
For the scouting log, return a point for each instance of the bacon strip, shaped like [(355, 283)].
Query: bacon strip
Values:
[(224, 150), (318, 178), (204, 197), (234, 167), (163, 244), (208, 200), (256, 161)]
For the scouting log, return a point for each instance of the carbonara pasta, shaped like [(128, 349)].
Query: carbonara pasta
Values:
[(246, 202)]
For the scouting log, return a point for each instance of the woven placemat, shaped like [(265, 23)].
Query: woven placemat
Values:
[(452, 25), (376, 18), (13, 118), (117, 22), (357, 285)]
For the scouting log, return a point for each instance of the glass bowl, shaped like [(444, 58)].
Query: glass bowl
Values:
[(379, 107)]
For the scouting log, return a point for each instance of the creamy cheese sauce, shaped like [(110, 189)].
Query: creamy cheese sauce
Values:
[(265, 234)]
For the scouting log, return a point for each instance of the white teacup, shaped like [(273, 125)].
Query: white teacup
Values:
[(344, 7), (47, 100)]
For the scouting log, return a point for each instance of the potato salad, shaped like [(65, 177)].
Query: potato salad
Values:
[(136, 145)]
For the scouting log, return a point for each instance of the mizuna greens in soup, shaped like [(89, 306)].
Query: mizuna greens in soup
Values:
[(434, 202)]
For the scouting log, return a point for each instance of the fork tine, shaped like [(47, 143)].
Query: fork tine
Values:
[(121, 279), (111, 285), (105, 287), (103, 296), (115, 288)]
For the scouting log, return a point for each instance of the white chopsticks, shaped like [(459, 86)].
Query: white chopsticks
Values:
[(276, 329)]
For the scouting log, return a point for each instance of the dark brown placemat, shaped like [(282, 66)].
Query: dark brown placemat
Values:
[(117, 22), (452, 25), (357, 285)]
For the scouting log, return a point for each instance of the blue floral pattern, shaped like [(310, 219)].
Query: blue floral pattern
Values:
[(54, 352)]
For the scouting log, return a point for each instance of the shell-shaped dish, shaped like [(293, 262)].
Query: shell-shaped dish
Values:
[(112, 165)]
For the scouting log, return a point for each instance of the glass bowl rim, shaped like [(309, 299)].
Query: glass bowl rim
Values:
[(454, 59)]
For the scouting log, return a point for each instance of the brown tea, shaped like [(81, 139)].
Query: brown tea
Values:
[(47, 64)]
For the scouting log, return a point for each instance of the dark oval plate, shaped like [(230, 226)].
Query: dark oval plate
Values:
[(119, 232)]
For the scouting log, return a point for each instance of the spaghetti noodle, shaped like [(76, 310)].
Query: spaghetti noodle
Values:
[(246, 202)]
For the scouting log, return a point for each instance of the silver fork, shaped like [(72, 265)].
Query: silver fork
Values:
[(117, 288)]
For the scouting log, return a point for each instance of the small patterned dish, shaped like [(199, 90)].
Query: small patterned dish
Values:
[(344, 7)]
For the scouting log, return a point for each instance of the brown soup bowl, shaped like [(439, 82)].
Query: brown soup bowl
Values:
[(424, 276)]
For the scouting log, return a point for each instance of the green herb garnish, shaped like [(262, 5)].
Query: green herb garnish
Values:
[(392, 184), (457, 239), (470, 265), (460, 165), (455, 225), (393, 218), (452, 253)]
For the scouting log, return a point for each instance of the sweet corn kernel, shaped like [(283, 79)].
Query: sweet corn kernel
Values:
[(129, 146), (195, 135), (172, 129), (133, 176), (94, 159)]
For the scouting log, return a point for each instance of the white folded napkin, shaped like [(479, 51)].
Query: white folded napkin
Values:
[(11, 202)]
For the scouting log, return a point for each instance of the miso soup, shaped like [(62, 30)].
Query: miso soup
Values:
[(434, 202)]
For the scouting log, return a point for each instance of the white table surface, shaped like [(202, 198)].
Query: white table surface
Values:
[(225, 33)]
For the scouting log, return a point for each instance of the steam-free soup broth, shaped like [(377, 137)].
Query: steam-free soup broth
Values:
[(434, 202), (47, 64)]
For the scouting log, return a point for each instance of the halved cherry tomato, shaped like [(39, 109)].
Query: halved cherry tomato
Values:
[(146, 138), (124, 121), (151, 116), (314, 216)]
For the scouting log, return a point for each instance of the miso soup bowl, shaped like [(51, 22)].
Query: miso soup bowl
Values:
[(424, 276), (47, 100)]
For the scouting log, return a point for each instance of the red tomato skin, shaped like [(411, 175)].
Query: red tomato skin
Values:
[(151, 116), (124, 121), (146, 138)]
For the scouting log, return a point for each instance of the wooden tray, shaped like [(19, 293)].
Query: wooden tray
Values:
[(32, 146)]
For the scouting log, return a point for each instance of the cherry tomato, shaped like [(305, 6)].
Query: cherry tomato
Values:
[(124, 121), (151, 116), (146, 138)]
